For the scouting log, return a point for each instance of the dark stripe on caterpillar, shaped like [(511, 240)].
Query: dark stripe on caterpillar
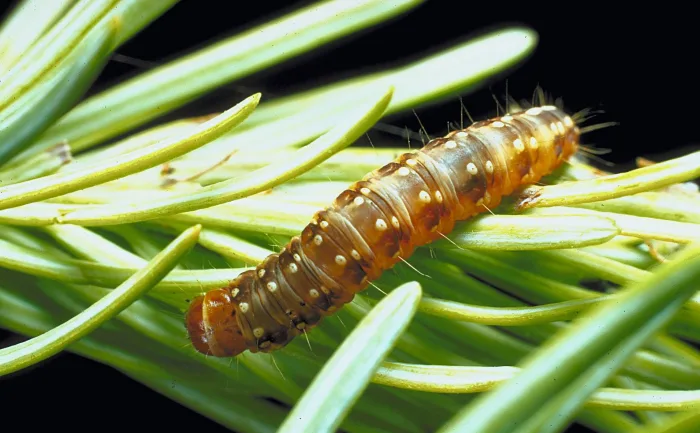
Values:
[(377, 222)]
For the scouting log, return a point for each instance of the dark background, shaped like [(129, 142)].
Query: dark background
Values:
[(636, 64)]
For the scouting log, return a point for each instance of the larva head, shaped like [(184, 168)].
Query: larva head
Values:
[(212, 326)]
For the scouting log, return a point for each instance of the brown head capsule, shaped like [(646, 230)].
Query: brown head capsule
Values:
[(212, 327), (375, 223)]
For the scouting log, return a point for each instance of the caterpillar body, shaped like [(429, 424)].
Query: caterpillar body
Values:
[(377, 222)]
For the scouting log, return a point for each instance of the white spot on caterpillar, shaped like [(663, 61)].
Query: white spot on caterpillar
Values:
[(489, 166), (471, 168), (365, 191), (340, 260), (438, 196), (258, 332), (314, 293), (533, 142), (380, 225), (395, 222), (355, 255), (553, 127), (568, 122), (507, 118), (412, 162), (358, 200), (450, 144), (424, 196), (297, 257), (560, 127), (487, 197), (534, 111), (403, 171), (549, 108), (519, 146), (243, 306), (324, 224), (235, 292), (293, 268), (272, 286), (499, 124), (261, 273), (461, 135), (318, 240)]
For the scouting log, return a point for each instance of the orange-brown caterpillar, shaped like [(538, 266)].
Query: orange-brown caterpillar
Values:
[(375, 223)]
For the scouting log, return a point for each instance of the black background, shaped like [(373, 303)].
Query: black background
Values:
[(637, 64)]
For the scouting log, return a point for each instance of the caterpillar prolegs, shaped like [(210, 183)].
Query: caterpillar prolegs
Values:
[(377, 222)]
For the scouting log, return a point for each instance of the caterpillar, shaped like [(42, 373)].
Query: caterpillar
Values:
[(374, 224)]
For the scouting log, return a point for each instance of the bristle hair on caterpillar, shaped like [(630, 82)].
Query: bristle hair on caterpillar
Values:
[(377, 222)]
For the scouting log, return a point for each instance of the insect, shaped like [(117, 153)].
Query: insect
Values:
[(376, 223)]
